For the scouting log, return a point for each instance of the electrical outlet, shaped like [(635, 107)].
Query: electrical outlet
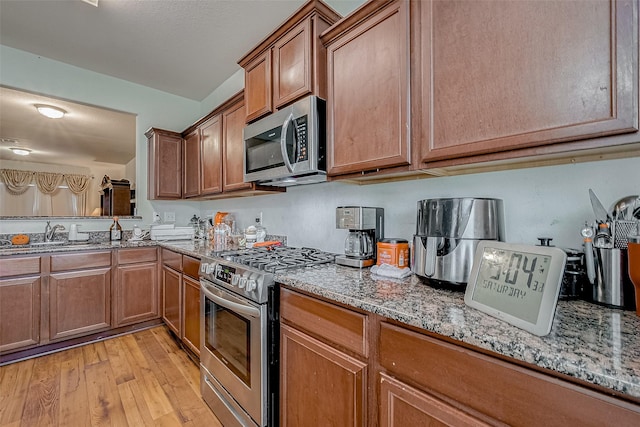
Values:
[(170, 216), (259, 219)]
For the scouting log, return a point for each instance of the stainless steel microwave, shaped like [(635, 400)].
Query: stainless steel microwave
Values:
[(287, 147)]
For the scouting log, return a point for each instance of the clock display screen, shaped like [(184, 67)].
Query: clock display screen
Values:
[(512, 282)]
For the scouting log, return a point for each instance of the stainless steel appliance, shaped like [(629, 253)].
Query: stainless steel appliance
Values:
[(287, 147), (366, 228), (239, 331), (447, 234)]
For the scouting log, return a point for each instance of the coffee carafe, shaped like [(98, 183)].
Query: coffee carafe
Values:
[(366, 228)]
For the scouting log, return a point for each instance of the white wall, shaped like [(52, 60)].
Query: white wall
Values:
[(546, 201)]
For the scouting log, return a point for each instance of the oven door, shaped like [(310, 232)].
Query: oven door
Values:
[(233, 350)]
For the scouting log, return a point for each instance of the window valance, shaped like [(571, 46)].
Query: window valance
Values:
[(18, 181)]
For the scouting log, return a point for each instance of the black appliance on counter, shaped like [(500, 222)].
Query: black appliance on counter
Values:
[(239, 331)]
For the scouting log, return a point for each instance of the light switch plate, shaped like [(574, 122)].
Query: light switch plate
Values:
[(169, 216)]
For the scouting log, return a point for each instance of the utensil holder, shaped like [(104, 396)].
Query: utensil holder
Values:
[(612, 285)]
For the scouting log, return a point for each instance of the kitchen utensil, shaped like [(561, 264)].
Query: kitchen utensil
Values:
[(447, 234), (621, 231), (623, 208), (587, 234), (598, 209)]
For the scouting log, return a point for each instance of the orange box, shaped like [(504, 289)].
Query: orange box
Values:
[(393, 252)]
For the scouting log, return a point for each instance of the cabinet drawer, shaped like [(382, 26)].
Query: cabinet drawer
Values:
[(190, 266), (130, 256), (74, 261), (19, 266), (172, 259), (336, 324), (479, 381)]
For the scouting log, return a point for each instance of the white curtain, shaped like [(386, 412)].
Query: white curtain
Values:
[(26, 193)]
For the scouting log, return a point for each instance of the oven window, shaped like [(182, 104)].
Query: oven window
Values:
[(228, 337)]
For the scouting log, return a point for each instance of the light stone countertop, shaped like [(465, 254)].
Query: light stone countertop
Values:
[(589, 342)]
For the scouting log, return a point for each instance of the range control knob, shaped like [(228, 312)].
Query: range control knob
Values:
[(242, 282), (235, 279), (251, 285), (209, 268)]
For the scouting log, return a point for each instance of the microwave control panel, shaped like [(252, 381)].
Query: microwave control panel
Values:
[(302, 153)]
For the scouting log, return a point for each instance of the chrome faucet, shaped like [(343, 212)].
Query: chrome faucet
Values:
[(49, 231)]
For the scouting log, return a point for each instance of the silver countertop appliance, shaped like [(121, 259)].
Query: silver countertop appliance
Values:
[(366, 228), (447, 234)]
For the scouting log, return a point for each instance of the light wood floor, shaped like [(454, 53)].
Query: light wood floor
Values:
[(141, 379)]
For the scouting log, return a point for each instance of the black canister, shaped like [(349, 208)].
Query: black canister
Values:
[(575, 276)]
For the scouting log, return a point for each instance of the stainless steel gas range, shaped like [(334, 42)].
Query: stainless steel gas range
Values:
[(239, 331)]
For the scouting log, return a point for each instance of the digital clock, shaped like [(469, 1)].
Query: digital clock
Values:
[(517, 283)]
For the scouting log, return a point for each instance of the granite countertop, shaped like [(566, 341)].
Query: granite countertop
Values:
[(589, 342)]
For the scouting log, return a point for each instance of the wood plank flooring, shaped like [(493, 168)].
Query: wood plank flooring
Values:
[(140, 379)]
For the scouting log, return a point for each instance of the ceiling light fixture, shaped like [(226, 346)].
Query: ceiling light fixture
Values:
[(20, 151), (91, 2), (50, 111)]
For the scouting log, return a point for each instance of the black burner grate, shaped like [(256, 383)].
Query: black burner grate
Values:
[(273, 259)]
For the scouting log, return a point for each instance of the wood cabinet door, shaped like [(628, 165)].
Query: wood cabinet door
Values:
[(19, 313), (137, 293), (191, 166), (367, 112), (191, 310), (172, 299), (402, 405), (233, 123), (501, 75), (257, 87), (165, 165), (292, 64), (319, 385), (79, 302), (211, 155)]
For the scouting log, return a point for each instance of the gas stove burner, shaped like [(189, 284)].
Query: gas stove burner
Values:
[(278, 258)]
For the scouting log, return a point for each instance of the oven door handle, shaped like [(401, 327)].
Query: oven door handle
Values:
[(245, 310)]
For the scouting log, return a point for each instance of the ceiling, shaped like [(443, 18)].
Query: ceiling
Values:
[(86, 135), (183, 47)]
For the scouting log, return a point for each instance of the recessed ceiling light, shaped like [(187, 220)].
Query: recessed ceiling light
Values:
[(50, 111), (20, 151)]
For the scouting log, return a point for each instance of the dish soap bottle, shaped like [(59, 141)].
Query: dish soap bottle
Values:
[(115, 231)]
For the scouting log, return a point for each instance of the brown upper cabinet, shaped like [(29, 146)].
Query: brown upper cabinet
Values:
[(165, 164), (425, 85), (211, 165), (368, 90), (191, 167), (203, 159), (233, 122), (501, 76), (290, 63)]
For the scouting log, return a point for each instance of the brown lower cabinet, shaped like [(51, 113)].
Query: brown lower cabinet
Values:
[(136, 289), (181, 297), (47, 299), (19, 303), (79, 294), (344, 367)]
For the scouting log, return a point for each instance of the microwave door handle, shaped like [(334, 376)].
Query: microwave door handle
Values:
[(230, 305), (283, 141)]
